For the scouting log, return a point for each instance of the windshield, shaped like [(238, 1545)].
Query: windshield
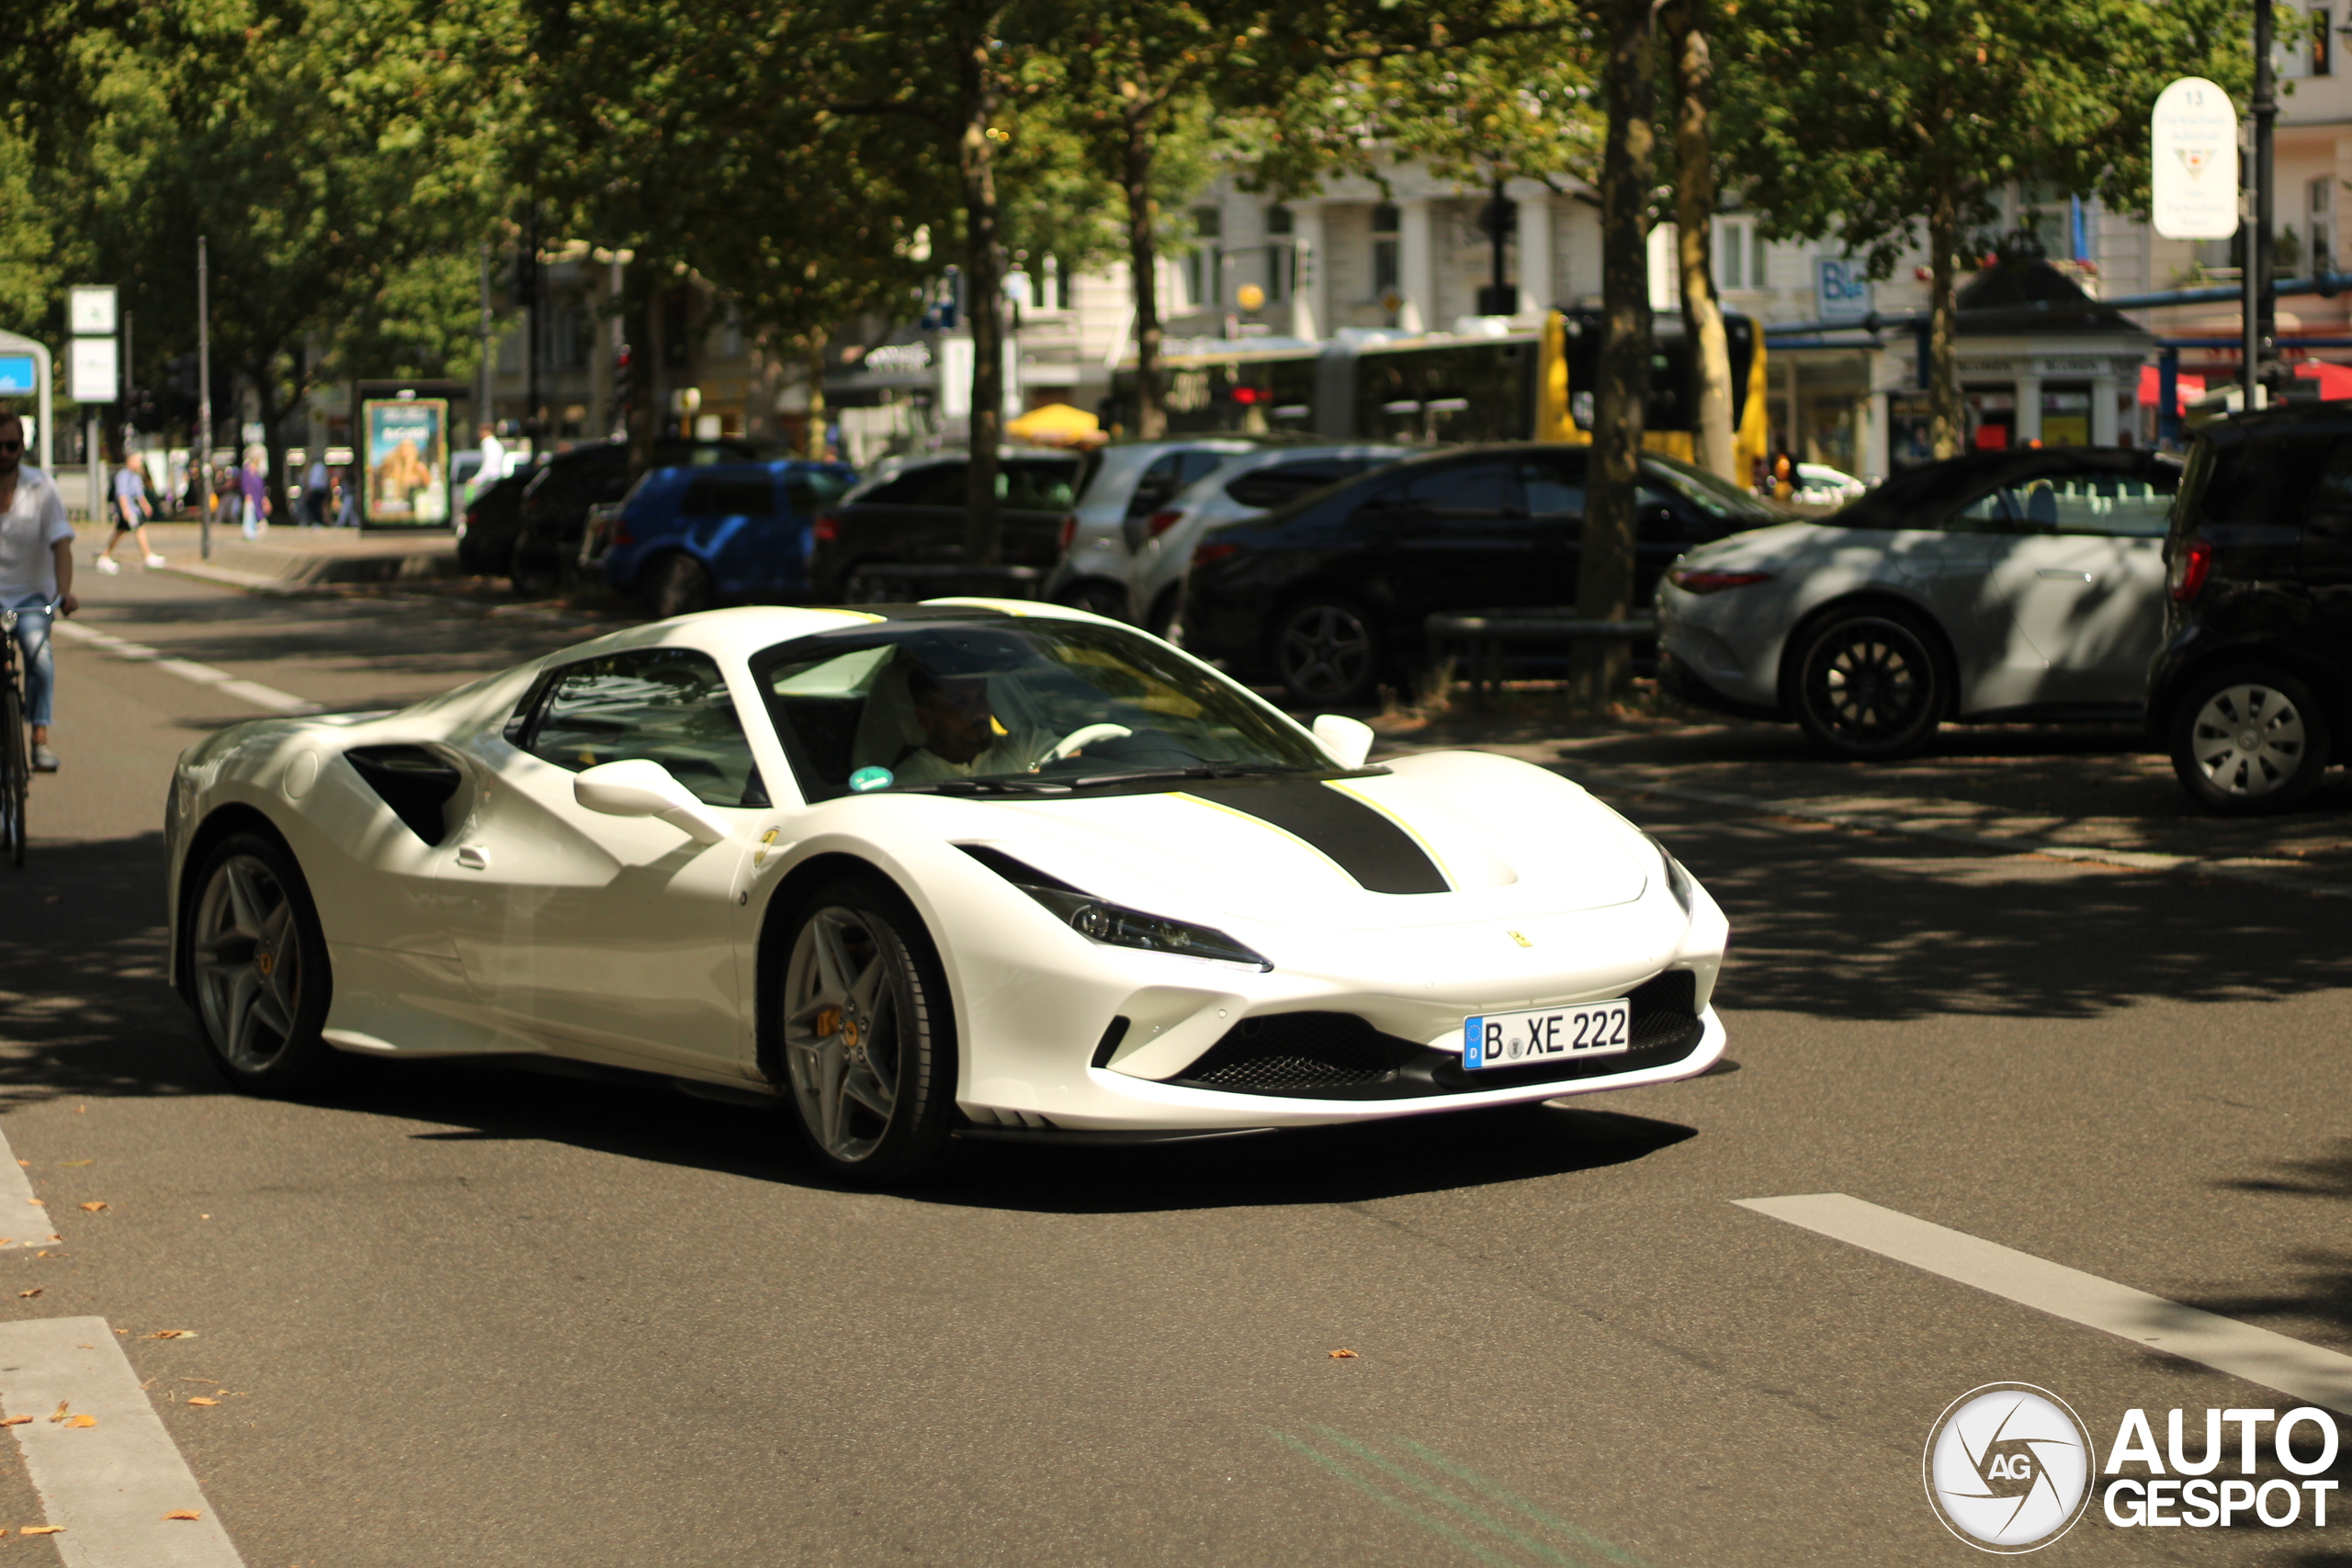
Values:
[(1714, 496), (1033, 706)]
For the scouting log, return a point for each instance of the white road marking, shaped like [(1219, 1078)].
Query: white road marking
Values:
[(252, 692), (109, 1486), (2304, 1371), (23, 1222), (1914, 827)]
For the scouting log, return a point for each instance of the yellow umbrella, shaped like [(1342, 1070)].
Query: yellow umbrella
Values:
[(1055, 424)]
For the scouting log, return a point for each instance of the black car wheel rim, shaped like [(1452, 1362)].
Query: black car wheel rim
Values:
[(1326, 651), (1869, 682)]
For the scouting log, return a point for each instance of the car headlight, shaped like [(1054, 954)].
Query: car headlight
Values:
[(1114, 925), (1677, 879)]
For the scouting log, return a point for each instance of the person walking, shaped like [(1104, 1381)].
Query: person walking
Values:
[(133, 512), (36, 571), (227, 499), (494, 459), (255, 486), (314, 495)]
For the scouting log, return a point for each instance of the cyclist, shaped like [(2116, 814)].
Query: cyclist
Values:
[(36, 570)]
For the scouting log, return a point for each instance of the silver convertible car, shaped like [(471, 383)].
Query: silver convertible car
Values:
[(2023, 585)]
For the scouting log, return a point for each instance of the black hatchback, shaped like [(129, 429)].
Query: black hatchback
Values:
[(1328, 596), (2251, 691)]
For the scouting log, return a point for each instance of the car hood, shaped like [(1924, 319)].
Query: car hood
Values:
[(1443, 837), (1759, 546)]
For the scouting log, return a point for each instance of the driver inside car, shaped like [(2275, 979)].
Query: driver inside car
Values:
[(962, 736)]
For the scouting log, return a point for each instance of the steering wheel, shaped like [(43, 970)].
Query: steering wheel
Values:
[(1084, 735)]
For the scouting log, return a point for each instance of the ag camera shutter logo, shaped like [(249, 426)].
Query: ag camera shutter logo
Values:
[(2008, 1467)]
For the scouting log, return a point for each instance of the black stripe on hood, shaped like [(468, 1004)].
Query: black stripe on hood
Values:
[(1380, 855)]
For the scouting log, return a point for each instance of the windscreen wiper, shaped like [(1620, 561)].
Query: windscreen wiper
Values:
[(987, 786), (1200, 770)]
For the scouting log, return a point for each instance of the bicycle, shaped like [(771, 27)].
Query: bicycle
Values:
[(15, 766)]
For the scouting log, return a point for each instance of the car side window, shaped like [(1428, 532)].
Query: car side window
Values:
[(1465, 491), (1036, 487), (1270, 486), (669, 705), (1993, 512), (2133, 506), (1552, 492), (936, 484), (729, 495), (1161, 478), (812, 489)]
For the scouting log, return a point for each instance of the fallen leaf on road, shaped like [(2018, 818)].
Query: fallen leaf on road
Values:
[(63, 1406), (38, 1203), (183, 1514), (170, 1334), (1343, 1356), (46, 1253), (199, 1399), (43, 1529), (34, 1291), (94, 1208), (16, 1421), (82, 1421)]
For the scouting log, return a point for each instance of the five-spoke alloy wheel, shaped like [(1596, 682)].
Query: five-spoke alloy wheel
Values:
[(256, 966), (1868, 685), (2249, 740), (869, 1054), (1328, 654)]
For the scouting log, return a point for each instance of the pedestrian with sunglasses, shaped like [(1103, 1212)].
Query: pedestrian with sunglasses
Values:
[(36, 570)]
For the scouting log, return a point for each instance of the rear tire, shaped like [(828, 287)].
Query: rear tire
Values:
[(15, 773), (1329, 654), (2248, 740), (679, 585), (863, 1028), (1870, 684), (257, 963)]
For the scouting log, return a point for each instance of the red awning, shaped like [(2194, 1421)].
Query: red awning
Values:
[(2188, 387), (2334, 380)]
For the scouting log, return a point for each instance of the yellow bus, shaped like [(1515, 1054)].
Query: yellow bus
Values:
[(1533, 385)]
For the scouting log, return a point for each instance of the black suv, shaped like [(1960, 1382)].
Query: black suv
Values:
[(2251, 691), (1329, 595), (900, 535), (556, 503)]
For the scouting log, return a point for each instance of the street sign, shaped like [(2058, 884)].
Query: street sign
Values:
[(1841, 289), (92, 367), (2193, 146), (89, 309)]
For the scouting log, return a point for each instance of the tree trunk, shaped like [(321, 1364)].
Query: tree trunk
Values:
[(1702, 315), (1605, 573), (645, 365), (984, 286), (1142, 262), (1943, 377)]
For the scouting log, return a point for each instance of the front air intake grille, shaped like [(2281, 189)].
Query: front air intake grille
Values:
[(1299, 1053), (1337, 1056)]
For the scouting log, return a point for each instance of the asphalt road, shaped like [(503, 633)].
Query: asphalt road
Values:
[(465, 1316)]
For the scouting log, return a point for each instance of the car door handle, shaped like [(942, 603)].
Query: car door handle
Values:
[(473, 857), (2060, 574)]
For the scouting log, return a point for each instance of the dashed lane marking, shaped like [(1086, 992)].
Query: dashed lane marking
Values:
[(221, 680), (2303, 1372), (1914, 827), (24, 1220), (108, 1485)]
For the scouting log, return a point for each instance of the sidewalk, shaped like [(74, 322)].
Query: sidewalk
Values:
[(289, 559)]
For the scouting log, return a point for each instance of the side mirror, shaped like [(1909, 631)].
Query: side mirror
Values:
[(643, 788), (1349, 741)]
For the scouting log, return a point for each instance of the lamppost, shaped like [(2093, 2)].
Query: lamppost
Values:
[(2261, 301)]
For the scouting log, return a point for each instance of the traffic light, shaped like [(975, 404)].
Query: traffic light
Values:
[(624, 383)]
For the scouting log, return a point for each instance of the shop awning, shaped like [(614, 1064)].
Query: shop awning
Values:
[(2334, 380), (1055, 424), (2189, 388)]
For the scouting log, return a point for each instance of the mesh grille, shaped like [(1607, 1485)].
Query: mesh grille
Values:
[(1298, 1051)]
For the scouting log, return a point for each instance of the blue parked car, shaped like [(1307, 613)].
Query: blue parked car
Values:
[(685, 539)]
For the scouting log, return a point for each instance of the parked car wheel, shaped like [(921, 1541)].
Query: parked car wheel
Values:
[(1327, 653), (1096, 597), (257, 963), (678, 584), (2249, 740), (1870, 684), (869, 1052)]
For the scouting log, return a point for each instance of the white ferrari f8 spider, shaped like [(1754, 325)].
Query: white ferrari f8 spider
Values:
[(967, 868)]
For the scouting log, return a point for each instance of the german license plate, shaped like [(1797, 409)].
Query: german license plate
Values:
[(1556, 1034)]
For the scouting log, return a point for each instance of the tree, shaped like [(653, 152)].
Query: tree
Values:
[(1694, 214), (1605, 573), (1875, 119)]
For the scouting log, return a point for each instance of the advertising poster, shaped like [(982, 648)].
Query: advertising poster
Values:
[(406, 458)]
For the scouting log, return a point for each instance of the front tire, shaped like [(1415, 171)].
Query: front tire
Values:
[(15, 770), (868, 1046), (1870, 685), (257, 962), (2249, 740), (679, 585), (1328, 654)]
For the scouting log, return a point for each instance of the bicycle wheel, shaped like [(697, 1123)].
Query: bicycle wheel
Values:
[(15, 768)]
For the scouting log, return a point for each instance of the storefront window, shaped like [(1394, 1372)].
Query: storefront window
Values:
[(2065, 416), (1992, 420)]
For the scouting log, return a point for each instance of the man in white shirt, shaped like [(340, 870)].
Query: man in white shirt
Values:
[(494, 459), (36, 570)]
